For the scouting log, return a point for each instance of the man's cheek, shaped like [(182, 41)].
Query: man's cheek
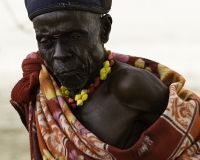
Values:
[(48, 63)]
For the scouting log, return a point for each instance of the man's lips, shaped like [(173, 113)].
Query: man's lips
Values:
[(68, 72)]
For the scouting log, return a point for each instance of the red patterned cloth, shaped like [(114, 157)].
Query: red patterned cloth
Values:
[(55, 133)]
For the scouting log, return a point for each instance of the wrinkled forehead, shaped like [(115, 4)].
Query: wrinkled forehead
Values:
[(66, 19)]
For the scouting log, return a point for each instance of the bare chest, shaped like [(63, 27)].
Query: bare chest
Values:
[(108, 119)]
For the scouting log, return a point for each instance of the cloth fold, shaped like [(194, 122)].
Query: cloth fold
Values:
[(25, 90), (55, 133)]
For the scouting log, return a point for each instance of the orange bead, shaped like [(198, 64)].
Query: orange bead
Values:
[(97, 83), (70, 100), (72, 105), (111, 62), (91, 90), (97, 79)]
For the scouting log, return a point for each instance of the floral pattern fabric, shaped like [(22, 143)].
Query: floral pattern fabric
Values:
[(58, 126), (55, 133)]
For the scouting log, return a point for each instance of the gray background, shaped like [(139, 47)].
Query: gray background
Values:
[(166, 31)]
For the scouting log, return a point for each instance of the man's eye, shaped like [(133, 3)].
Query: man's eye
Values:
[(45, 41), (71, 37)]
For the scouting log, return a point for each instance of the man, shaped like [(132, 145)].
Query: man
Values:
[(80, 101)]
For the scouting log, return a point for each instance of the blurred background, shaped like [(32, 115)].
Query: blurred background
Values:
[(166, 31)]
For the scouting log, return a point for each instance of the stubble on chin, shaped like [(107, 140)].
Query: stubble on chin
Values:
[(73, 81)]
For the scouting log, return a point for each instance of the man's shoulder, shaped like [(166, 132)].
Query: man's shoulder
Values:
[(132, 85), (126, 77)]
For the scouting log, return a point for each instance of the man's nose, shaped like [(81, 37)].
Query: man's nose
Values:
[(61, 51)]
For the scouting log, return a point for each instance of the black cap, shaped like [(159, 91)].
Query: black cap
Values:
[(38, 7)]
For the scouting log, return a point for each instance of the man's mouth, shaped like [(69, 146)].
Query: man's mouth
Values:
[(61, 72), (72, 79)]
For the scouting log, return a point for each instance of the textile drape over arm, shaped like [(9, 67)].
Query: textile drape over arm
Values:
[(56, 133)]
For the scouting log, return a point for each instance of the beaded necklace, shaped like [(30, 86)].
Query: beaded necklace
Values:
[(83, 96)]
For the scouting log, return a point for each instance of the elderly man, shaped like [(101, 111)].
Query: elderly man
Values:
[(81, 101)]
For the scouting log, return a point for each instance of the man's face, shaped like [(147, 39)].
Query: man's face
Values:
[(70, 43)]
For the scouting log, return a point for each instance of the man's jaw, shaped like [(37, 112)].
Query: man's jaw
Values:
[(72, 80)]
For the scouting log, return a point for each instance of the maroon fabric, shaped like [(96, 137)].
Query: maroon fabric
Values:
[(175, 135), (25, 90)]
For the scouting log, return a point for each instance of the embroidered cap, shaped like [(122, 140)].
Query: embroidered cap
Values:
[(38, 7)]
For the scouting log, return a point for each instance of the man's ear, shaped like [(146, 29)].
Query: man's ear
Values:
[(106, 22)]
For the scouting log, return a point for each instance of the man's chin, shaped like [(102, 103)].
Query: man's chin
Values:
[(73, 84)]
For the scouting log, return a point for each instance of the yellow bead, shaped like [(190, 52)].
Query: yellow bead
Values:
[(103, 70), (79, 102), (67, 93), (106, 64), (108, 70), (78, 97), (84, 97), (84, 91), (103, 76), (63, 94), (62, 88)]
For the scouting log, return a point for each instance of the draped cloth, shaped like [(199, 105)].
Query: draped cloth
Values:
[(55, 133)]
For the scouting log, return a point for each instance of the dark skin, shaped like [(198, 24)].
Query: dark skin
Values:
[(126, 103)]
